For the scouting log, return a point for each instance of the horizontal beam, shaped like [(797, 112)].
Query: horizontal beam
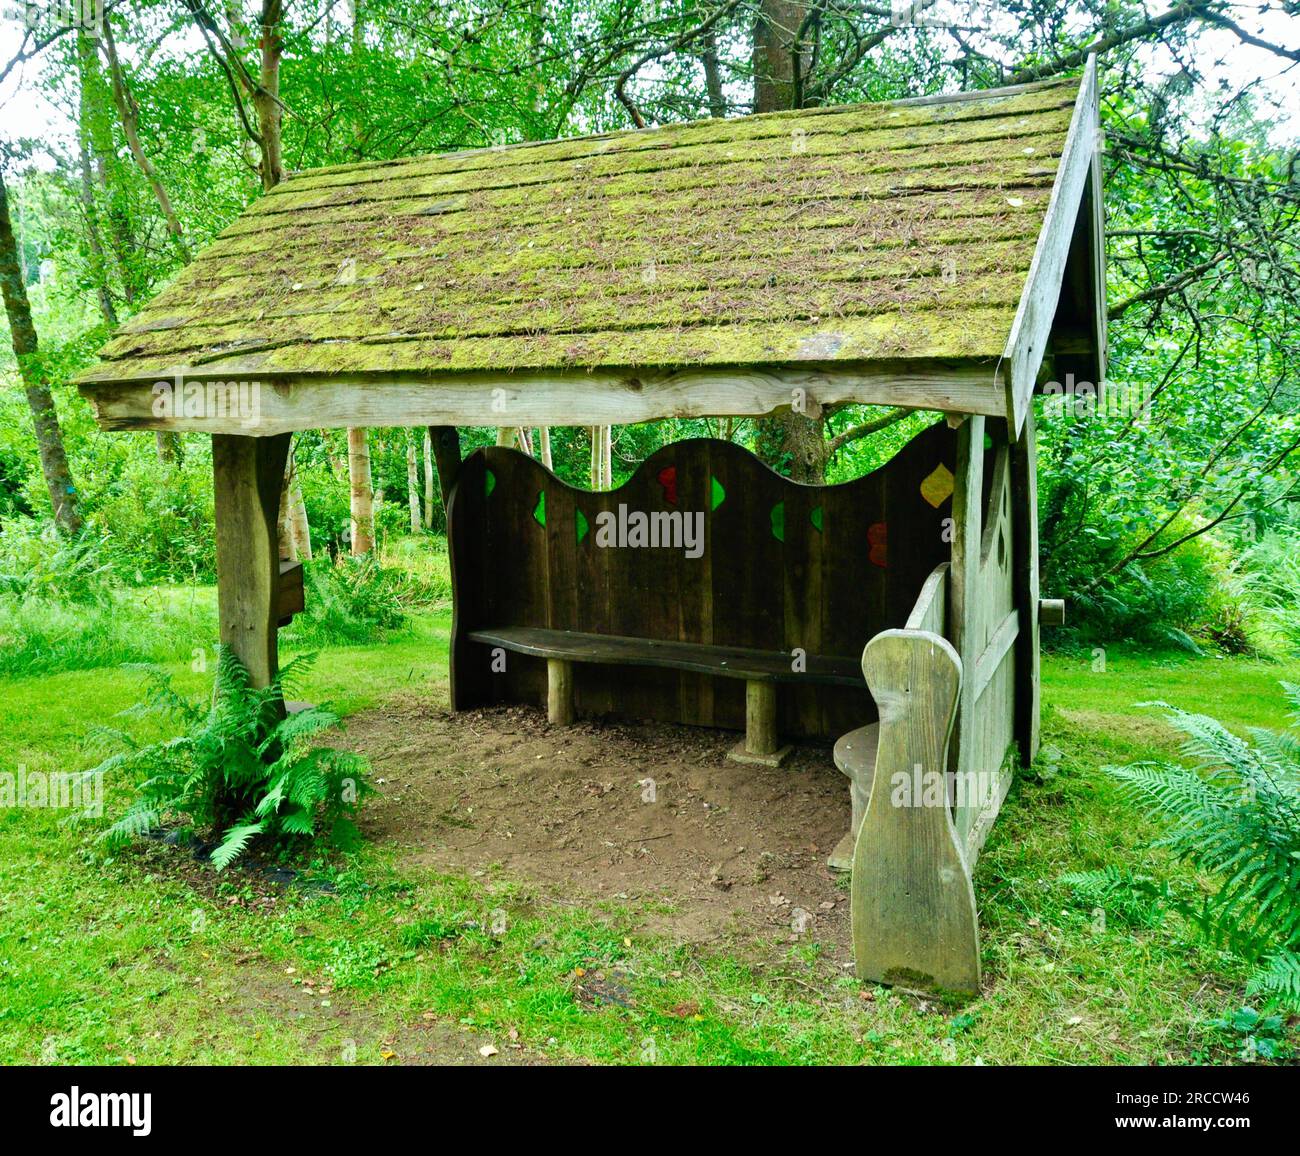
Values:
[(255, 407)]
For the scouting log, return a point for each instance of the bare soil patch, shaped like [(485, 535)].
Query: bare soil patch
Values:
[(650, 814)]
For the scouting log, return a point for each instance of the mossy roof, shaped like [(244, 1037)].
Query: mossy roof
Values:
[(874, 232)]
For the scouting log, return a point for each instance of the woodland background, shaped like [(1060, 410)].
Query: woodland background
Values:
[(1176, 522)]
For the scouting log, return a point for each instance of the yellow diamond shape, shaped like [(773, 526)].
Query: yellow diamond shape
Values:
[(937, 488)]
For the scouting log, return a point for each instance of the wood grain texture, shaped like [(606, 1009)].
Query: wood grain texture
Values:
[(788, 583), (347, 401), (913, 907), (247, 475), (1028, 342), (1024, 480), (984, 627)]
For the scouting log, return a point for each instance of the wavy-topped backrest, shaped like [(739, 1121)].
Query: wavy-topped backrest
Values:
[(744, 557)]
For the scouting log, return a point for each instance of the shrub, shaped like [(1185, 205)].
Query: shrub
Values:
[(37, 562), (1235, 814), (351, 600), (1266, 583), (238, 771), (157, 522)]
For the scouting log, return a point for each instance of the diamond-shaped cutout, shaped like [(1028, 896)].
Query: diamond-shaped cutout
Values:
[(937, 488)]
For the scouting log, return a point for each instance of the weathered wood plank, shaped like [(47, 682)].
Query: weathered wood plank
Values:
[(1024, 478), (346, 401), (247, 475), (848, 282), (913, 907), (1028, 339), (888, 126), (746, 663)]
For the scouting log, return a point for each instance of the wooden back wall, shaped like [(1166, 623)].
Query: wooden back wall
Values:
[(783, 566)]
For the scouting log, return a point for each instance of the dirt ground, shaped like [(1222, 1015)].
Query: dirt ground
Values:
[(646, 813)]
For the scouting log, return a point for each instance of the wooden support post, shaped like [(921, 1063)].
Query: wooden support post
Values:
[(965, 622), (559, 691), (760, 718), (762, 744), (445, 441), (913, 905), (248, 474), (1024, 511)]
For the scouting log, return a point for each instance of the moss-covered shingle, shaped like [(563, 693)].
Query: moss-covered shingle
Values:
[(899, 231)]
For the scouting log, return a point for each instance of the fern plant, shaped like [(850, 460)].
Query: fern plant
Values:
[(239, 770), (1235, 814)]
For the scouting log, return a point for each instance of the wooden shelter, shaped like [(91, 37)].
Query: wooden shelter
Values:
[(943, 254)]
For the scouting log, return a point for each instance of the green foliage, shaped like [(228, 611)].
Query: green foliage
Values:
[(423, 932), (1253, 1035), (1129, 899), (39, 637), (1266, 583), (155, 518), (1235, 814), (238, 771), (348, 600), (36, 562)]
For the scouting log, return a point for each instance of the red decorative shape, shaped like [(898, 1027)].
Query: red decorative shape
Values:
[(668, 479), (878, 540)]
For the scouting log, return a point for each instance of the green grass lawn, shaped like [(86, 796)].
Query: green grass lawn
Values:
[(149, 958)]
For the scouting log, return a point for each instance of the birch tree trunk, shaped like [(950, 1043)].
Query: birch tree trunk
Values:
[(299, 527), (428, 479), (45, 418), (413, 480), (362, 496)]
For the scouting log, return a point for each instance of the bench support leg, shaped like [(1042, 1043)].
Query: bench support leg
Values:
[(761, 744), (559, 691)]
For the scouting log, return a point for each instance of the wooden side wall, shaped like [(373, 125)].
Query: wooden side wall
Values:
[(985, 625), (783, 566)]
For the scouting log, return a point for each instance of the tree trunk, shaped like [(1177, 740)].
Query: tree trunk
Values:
[(428, 479), (363, 498), (284, 522), (775, 29), (267, 99), (544, 439), (791, 439), (45, 418), (98, 261), (129, 115), (713, 76), (299, 527), (413, 480)]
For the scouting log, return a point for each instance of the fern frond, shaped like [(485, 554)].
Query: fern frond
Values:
[(234, 843), (1278, 978)]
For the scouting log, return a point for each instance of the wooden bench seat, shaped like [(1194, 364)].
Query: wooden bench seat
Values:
[(855, 756), (761, 670)]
